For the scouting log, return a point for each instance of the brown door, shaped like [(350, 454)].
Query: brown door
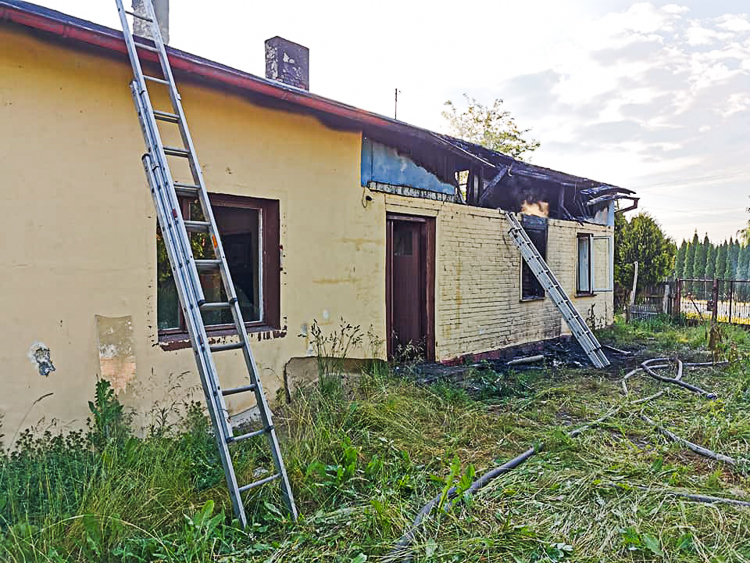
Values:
[(409, 285)]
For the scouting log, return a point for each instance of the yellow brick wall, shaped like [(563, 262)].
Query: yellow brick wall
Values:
[(478, 305)]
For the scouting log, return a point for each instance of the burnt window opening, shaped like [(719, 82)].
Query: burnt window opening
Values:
[(249, 229), (536, 228)]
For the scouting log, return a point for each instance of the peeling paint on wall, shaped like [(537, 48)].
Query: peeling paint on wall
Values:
[(116, 350), (41, 357)]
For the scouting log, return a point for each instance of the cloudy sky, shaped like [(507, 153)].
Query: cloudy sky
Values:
[(653, 96)]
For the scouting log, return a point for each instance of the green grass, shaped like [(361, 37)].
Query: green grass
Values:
[(364, 460)]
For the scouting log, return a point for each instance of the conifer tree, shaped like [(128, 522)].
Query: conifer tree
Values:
[(710, 270), (699, 266), (731, 265), (743, 269), (736, 259), (679, 267), (742, 273), (721, 260), (690, 257)]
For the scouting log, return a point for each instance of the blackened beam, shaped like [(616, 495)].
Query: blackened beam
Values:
[(494, 182), (606, 197), (631, 207)]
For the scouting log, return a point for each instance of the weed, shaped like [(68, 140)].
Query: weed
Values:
[(363, 463)]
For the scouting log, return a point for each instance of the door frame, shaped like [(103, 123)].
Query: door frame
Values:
[(427, 267)]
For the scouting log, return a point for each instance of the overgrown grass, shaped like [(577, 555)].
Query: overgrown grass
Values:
[(363, 461)]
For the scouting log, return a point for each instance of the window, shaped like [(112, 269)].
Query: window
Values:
[(249, 229), (536, 228), (583, 270)]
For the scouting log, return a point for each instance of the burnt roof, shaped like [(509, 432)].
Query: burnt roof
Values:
[(409, 138)]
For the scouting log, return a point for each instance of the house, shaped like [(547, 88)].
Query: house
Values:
[(326, 211)]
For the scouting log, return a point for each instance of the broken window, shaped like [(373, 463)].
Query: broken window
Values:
[(536, 228), (583, 270), (249, 230)]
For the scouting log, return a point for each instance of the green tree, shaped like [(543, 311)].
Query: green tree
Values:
[(679, 268), (489, 126), (690, 257), (642, 240), (743, 268), (721, 260), (621, 224), (736, 260), (701, 253), (710, 269), (731, 264)]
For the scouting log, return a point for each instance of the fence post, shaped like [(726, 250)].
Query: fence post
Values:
[(665, 298), (677, 300), (715, 299), (731, 299)]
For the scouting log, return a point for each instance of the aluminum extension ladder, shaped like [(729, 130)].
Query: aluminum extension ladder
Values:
[(165, 191), (549, 282)]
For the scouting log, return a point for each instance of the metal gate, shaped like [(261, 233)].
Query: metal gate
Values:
[(723, 301)]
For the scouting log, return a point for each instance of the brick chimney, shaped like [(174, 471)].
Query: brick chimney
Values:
[(288, 62), (143, 28)]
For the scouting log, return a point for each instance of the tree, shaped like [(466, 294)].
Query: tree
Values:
[(721, 260), (489, 126), (743, 268), (731, 265), (710, 270), (736, 259), (690, 257), (679, 268), (701, 253), (642, 240)]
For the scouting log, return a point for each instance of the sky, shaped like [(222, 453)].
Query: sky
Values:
[(652, 96)]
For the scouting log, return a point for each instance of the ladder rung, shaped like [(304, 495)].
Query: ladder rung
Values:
[(138, 16), (249, 435), (259, 483), (215, 305), (223, 347), (147, 47), (198, 226), (175, 151), (245, 389), (166, 116), (187, 190), (154, 79), (207, 264)]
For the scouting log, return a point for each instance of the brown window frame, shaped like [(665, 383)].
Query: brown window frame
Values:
[(270, 253)]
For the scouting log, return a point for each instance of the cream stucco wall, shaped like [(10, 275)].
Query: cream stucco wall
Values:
[(80, 237), (478, 305), (80, 228)]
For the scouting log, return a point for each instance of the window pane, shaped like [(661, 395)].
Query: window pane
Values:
[(240, 235), (584, 270), (402, 244), (240, 230), (167, 303)]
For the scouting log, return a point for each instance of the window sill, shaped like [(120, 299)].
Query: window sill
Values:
[(531, 299), (178, 340), (585, 294)]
